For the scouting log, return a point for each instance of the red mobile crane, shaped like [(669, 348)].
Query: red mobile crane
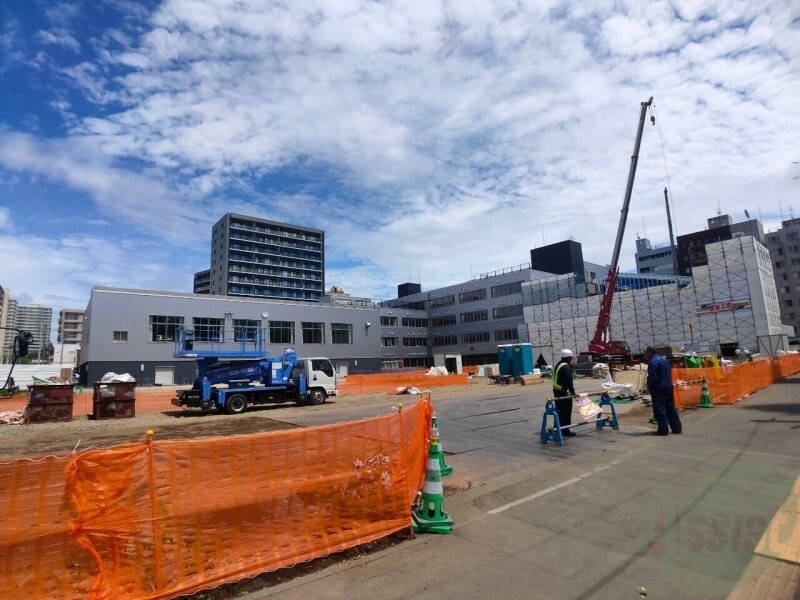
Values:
[(600, 346)]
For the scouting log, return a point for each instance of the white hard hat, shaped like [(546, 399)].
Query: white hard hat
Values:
[(566, 353)]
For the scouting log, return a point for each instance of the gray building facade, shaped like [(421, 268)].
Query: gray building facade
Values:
[(658, 260), (784, 252)]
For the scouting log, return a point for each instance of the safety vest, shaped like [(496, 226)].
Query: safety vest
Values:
[(556, 385)]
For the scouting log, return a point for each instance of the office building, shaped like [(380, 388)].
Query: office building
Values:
[(34, 318), (784, 250), (655, 260), (258, 258), (691, 247)]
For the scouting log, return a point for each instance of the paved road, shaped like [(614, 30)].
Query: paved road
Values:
[(606, 515)]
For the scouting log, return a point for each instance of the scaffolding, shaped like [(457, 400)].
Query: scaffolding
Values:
[(728, 303)]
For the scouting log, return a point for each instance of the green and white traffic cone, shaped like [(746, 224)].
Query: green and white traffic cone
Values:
[(444, 469), (429, 515), (705, 396)]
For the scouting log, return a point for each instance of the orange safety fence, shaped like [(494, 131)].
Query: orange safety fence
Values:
[(163, 518), (730, 383), (389, 382)]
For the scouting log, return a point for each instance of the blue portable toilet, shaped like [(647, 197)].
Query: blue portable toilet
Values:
[(505, 358), (522, 359)]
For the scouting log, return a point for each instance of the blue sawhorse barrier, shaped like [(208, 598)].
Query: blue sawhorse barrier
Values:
[(554, 432)]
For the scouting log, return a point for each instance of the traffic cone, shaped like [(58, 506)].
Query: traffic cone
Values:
[(429, 515), (705, 397), (443, 468)]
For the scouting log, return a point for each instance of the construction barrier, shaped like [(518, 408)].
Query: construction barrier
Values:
[(730, 383), (163, 518), (389, 382)]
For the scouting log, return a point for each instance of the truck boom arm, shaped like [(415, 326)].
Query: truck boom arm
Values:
[(598, 343)]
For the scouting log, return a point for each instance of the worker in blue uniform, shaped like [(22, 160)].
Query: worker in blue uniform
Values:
[(564, 390), (659, 384)]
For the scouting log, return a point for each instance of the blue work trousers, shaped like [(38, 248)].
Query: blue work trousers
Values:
[(664, 412)]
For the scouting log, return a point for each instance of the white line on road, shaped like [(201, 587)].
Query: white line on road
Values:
[(552, 488)]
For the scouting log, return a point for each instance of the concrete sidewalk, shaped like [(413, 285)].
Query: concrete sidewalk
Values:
[(711, 513)]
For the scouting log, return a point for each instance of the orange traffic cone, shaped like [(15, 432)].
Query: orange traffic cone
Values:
[(429, 515)]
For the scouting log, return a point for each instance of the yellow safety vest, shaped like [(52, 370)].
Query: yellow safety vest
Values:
[(556, 386)]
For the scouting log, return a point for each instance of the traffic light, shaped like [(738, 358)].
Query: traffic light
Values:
[(21, 342)]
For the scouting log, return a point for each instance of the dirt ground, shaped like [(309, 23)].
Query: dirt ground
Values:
[(82, 433)]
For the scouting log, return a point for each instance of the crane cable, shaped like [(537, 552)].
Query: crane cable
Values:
[(664, 157)]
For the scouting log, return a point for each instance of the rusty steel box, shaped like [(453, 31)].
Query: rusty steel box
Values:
[(116, 400), (49, 403)]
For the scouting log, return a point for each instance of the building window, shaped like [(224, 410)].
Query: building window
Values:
[(789, 303), (414, 341), (505, 335), (207, 329), (475, 338), (774, 239), (414, 322), (313, 333), (162, 328), (281, 332), (472, 296), (389, 342), (443, 321), (246, 330), (341, 333), (507, 289), (474, 317), (445, 340), (389, 321), (505, 312), (443, 301), (121, 336)]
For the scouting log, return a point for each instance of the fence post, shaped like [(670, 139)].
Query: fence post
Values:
[(151, 482)]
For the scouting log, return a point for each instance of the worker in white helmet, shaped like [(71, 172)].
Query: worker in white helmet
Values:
[(564, 390)]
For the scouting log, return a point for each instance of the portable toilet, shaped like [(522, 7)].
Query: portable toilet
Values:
[(522, 359), (505, 358)]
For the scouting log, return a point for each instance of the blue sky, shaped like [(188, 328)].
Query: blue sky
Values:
[(432, 141)]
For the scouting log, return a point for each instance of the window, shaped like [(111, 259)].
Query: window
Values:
[(789, 303), (281, 332), (414, 322), (389, 321), (246, 330), (472, 296), (774, 239), (121, 336), (162, 328), (505, 312), (443, 321), (341, 333), (507, 289), (443, 301), (505, 335), (415, 341), (475, 338), (778, 264), (780, 251), (207, 329), (474, 317), (793, 235), (445, 340), (322, 364), (313, 333), (389, 342)]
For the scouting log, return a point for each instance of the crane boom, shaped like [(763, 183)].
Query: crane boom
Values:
[(599, 345)]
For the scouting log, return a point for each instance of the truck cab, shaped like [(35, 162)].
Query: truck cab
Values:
[(320, 378)]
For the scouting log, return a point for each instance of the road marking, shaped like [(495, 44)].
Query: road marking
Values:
[(552, 488)]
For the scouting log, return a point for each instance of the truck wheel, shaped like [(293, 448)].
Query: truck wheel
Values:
[(316, 396), (236, 404)]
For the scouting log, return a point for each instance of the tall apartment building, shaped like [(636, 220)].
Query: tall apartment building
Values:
[(784, 252), (258, 258), (34, 318), (691, 247), (658, 260), (70, 325)]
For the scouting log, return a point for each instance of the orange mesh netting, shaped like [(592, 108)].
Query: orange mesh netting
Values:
[(731, 383), (163, 518)]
